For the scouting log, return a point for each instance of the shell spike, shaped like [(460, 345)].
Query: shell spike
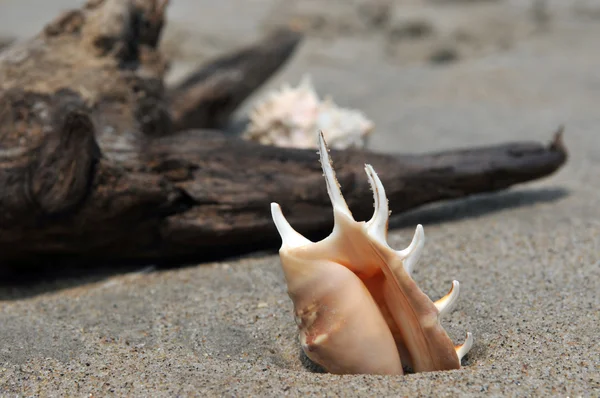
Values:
[(464, 348), (412, 253), (289, 237), (446, 303), (378, 224), (333, 186)]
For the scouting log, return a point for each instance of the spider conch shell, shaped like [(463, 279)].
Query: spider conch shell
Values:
[(289, 117), (356, 306)]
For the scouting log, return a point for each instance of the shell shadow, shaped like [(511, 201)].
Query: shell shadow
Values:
[(308, 364), (476, 206)]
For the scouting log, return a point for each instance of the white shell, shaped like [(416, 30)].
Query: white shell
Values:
[(290, 116)]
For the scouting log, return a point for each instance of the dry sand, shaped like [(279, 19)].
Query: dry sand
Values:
[(528, 260)]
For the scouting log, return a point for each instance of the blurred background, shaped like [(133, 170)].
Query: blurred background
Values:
[(431, 74)]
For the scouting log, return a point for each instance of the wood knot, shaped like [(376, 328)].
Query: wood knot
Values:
[(62, 166)]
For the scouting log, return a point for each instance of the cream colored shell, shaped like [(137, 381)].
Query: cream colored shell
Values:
[(357, 308), (289, 117)]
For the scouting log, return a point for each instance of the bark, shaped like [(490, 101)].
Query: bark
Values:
[(207, 98), (99, 162)]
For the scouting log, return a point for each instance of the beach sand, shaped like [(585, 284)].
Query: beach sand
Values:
[(528, 259)]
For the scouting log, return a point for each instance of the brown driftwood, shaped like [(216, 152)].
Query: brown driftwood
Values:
[(100, 162)]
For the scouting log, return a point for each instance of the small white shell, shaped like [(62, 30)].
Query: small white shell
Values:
[(289, 117)]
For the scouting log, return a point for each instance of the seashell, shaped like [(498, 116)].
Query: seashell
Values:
[(356, 306), (289, 117)]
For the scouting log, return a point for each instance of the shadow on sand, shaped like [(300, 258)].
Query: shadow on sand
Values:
[(26, 282)]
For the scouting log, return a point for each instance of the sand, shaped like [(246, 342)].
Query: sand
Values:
[(528, 259)]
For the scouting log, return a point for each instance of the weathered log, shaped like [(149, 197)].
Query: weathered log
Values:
[(96, 164), (207, 98), (5, 42)]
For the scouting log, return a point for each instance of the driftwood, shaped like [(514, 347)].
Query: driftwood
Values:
[(99, 161)]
